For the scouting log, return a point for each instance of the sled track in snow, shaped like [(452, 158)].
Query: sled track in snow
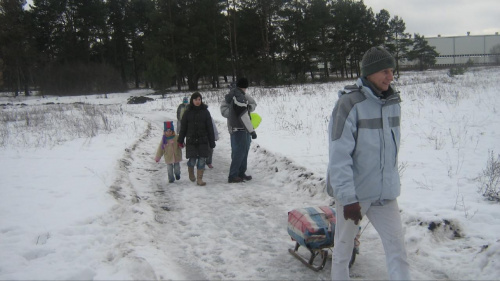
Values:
[(138, 165), (143, 196)]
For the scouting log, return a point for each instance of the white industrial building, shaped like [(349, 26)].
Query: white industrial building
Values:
[(458, 50), (475, 49)]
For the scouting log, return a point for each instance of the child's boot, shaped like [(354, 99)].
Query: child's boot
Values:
[(191, 174), (200, 181)]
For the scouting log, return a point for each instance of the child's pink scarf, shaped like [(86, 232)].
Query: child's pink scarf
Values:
[(165, 140)]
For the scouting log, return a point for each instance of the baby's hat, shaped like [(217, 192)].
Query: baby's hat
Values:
[(168, 125)]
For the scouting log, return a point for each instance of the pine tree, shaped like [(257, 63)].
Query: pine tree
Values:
[(16, 47), (398, 41), (423, 52)]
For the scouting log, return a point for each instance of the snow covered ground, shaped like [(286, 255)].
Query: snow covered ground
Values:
[(83, 198)]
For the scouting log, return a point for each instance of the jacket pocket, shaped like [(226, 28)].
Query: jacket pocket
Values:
[(197, 140), (192, 140), (203, 140)]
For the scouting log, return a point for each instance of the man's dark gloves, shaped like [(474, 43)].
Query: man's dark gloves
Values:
[(254, 135), (353, 212)]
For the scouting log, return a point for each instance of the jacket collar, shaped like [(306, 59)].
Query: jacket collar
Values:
[(389, 96)]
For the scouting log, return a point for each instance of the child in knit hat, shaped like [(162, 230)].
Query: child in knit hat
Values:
[(169, 149)]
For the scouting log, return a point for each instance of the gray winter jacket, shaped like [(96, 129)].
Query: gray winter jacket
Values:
[(236, 107), (364, 137)]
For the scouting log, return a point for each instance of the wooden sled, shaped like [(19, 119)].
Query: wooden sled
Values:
[(322, 253), (310, 262), (313, 228)]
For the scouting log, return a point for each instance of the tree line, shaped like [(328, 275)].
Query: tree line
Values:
[(69, 47)]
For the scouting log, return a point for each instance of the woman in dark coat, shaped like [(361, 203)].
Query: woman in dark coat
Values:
[(197, 129)]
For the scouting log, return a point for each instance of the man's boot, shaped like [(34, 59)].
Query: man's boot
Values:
[(191, 174), (200, 181)]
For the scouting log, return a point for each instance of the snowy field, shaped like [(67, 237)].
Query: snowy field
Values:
[(81, 197)]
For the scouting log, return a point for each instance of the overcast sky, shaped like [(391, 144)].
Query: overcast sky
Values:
[(445, 17)]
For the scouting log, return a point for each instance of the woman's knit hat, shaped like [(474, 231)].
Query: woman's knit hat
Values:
[(185, 100), (376, 59)]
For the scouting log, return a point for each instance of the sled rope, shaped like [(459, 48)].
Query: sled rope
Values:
[(364, 229)]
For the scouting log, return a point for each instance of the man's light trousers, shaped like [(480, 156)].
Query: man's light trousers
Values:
[(387, 221)]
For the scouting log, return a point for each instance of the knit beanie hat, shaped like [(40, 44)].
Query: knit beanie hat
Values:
[(242, 83), (376, 59), (168, 125), (185, 100)]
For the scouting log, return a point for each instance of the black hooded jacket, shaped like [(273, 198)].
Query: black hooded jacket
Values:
[(197, 129)]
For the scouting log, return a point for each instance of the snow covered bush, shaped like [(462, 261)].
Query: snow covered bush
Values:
[(489, 180), (458, 70), (51, 124)]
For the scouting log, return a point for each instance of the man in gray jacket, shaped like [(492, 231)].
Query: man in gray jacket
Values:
[(236, 107), (363, 177)]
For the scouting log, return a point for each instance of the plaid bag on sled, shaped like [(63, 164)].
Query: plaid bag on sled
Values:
[(312, 227)]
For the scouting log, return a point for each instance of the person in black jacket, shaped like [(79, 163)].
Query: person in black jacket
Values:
[(197, 129)]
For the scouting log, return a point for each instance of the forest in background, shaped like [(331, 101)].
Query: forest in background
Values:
[(69, 47)]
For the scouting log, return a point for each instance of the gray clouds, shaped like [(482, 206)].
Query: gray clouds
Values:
[(444, 17)]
